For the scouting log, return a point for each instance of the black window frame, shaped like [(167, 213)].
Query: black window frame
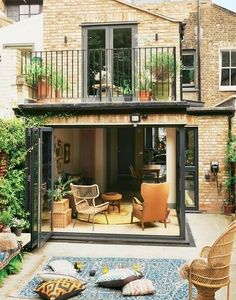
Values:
[(188, 68)]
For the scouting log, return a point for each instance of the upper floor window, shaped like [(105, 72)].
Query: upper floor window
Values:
[(20, 12), (228, 69), (189, 68)]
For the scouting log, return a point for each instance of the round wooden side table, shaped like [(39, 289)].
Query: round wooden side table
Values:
[(113, 198)]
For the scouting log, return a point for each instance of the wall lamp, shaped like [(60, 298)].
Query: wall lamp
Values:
[(135, 118)]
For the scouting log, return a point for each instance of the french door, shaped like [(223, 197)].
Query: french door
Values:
[(40, 174), (107, 59)]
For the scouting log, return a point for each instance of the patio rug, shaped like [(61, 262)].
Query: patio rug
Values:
[(164, 274)]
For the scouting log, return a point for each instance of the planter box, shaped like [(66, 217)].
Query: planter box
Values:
[(62, 219), (61, 206)]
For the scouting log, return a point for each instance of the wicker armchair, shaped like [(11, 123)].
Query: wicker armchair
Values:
[(84, 197), (210, 274)]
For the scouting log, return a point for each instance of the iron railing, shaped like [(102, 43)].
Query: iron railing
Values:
[(122, 74)]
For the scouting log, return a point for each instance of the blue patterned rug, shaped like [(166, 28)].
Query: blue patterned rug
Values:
[(164, 274)]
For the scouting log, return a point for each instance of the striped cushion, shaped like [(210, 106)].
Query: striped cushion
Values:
[(59, 289), (138, 287)]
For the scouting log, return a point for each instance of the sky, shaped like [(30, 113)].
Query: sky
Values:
[(230, 4)]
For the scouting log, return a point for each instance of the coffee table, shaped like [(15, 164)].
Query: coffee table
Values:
[(113, 198)]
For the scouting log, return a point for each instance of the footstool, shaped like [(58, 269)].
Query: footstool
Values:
[(113, 198)]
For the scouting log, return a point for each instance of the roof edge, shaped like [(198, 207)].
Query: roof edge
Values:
[(148, 12)]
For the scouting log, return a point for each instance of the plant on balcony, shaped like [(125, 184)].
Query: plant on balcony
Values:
[(144, 86), (127, 91), (5, 220), (162, 67), (45, 80)]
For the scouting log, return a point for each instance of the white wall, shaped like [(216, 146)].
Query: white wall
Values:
[(25, 32)]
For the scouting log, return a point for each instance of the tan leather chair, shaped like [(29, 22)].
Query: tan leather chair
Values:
[(154, 206), (211, 272)]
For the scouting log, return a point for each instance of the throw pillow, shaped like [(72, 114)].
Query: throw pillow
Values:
[(138, 287), (49, 275), (8, 241), (59, 289), (62, 266), (118, 277)]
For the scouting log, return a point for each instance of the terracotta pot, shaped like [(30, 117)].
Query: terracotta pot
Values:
[(229, 209), (144, 95), (6, 229)]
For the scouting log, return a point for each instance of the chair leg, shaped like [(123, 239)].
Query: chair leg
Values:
[(190, 286), (165, 223), (106, 217), (131, 218), (228, 289), (75, 221), (88, 217), (93, 222), (142, 225)]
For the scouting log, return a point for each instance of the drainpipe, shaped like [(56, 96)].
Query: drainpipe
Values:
[(199, 50)]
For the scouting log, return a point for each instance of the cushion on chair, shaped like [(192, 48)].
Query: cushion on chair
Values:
[(138, 287), (8, 241), (59, 289), (118, 278)]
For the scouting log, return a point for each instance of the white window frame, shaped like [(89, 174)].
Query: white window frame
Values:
[(190, 52), (225, 87)]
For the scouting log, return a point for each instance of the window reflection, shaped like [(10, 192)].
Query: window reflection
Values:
[(155, 146), (189, 189), (189, 147)]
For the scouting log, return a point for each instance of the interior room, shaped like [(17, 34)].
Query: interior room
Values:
[(118, 160)]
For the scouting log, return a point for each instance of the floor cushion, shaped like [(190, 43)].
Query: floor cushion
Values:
[(118, 277), (138, 287), (59, 289)]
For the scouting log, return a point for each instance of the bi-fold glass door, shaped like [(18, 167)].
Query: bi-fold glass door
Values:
[(40, 180), (107, 60)]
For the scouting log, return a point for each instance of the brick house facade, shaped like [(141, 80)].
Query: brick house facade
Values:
[(153, 26)]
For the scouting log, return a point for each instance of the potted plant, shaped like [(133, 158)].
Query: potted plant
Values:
[(18, 225), (5, 220), (127, 92), (45, 80), (162, 67), (61, 188), (144, 87)]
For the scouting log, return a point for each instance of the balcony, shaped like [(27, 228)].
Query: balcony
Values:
[(101, 75)]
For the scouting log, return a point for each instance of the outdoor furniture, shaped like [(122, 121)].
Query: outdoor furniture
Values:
[(211, 272), (154, 205), (113, 198), (151, 172), (84, 197)]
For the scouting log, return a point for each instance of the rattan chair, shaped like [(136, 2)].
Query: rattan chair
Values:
[(84, 197), (210, 274)]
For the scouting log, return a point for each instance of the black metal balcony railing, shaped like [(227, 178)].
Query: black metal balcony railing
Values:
[(102, 74)]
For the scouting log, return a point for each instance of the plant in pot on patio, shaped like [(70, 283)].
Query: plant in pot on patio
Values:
[(144, 87), (5, 220), (18, 225)]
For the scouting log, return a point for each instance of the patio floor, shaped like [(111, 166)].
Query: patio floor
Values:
[(205, 229)]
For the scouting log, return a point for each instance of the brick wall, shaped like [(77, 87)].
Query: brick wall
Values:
[(70, 15), (9, 69), (212, 139), (218, 32)]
